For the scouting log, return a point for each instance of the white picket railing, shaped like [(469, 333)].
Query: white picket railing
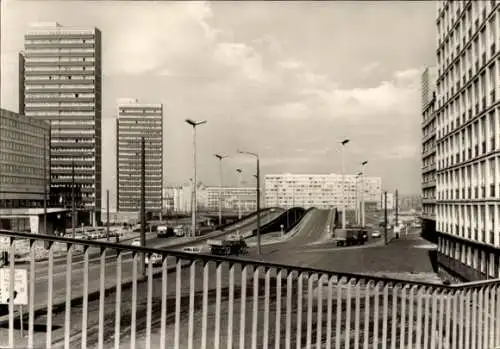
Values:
[(101, 299)]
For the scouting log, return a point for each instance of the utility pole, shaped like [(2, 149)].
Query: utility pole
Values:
[(220, 158), (363, 193), (259, 248), (385, 218), (73, 204), (344, 142), (143, 204), (194, 200), (397, 210), (107, 214), (256, 155), (239, 170), (45, 184)]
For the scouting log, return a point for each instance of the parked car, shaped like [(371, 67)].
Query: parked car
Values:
[(376, 234)]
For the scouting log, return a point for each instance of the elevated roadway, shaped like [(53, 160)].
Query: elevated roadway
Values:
[(77, 265)]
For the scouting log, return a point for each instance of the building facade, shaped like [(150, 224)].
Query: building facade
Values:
[(429, 154), (61, 83), (173, 198), (468, 138), (319, 190), (134, 121), (231, 197), (24, 174)]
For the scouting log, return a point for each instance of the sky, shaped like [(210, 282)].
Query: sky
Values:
[(287, 80)]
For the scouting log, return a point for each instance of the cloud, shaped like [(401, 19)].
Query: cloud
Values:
[(408, 74), (370, 67)]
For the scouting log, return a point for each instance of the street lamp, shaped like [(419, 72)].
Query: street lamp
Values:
[(344, 143), (239, 171), (259, 250), (194, 203), (220, 157), (358, 201), (363, 194)]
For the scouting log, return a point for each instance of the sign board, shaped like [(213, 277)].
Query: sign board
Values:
[(20, 286)]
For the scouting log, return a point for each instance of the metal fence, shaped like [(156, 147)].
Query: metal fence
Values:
[(94, 294)]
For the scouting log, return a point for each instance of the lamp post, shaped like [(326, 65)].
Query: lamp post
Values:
[(193, 213), (239, 171), (344, 143), (358, 201), (220, 158), (259, 250), (363, 193)]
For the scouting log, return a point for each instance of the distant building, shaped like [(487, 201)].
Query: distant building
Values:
[(173, 198), (319, 190), (429, 124), (135, 120), (391, 204), (231, 197), (60, 82), (428, 86), (22, 148)]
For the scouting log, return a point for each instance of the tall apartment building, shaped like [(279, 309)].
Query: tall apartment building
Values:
[(60, 82), (22, 175), (468, 137), (173, 198), (429, 153), (319, 190), (134, 121)]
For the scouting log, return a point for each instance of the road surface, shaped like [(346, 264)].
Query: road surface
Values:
[(77, 265)]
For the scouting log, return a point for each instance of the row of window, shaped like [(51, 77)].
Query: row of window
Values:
[(61, 69), (463, 28), (58, 77), (59, 41), (58, 113), (59, 50), (56, 60), (61, 87), (21, 180), (475, 139), (479, 95)]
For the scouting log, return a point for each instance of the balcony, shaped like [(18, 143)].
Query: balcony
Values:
[(428, 184)]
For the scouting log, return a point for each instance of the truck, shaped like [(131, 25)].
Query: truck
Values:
[(227, 247), (350, 237)]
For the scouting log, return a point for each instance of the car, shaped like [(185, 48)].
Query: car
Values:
[(155, 259), (191, 249), (376, 234), (136, 242)]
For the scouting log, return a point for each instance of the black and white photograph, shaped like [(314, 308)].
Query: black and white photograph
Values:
[(250, 174)]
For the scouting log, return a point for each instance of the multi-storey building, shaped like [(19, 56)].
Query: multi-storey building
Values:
[(231, 197), (173, 198), (468, 137), (23, 180), (136, 121), (429, 153), (60, 82), (388, 201), (319, 190)]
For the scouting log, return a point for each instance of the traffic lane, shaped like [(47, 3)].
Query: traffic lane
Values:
[(310, 231), (94, 259), (175, 280), (400, 256), (219, 234)]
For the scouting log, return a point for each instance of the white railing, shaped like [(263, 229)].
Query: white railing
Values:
[(93, 294)]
